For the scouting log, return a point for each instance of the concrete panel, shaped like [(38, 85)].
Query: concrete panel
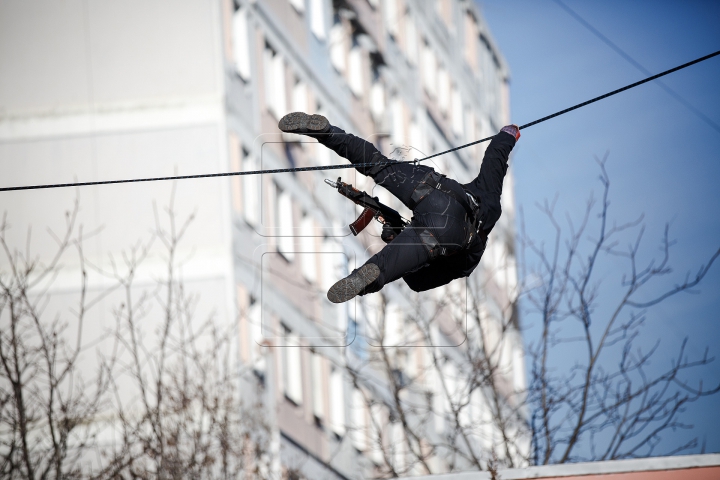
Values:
[(125, 212), (25, 163), (152, 49), (67, 55), (42, 55), (95, 333)]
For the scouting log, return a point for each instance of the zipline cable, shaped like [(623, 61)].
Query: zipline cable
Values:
[(336, 167), (579, 105)]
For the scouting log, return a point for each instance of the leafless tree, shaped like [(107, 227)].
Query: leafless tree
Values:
[(165, 398), (593, 393), (45, 402), (438, 388), (440, 391)]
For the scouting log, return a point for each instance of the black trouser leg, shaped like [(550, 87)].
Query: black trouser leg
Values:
[(399, 178), (404, 254)]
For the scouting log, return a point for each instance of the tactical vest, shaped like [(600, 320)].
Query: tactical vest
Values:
[(436, 181)]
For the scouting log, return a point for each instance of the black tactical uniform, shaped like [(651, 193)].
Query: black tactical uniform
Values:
[(449, 229)]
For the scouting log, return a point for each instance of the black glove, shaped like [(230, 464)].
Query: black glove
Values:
[(388, 233)]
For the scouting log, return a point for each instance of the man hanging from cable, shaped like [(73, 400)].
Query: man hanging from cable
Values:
[(451, 222)]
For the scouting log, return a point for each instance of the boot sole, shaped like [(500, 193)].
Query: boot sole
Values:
[(350, 286), (299, 122)]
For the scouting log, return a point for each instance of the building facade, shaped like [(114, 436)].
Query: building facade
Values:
[(106, 90), (414, 78)]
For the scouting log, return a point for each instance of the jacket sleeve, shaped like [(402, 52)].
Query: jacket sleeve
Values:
[(487, 187)]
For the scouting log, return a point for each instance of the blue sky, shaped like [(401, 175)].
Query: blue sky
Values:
[(664, 161)]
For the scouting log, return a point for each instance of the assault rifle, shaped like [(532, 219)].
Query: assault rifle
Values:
[(372, 209)]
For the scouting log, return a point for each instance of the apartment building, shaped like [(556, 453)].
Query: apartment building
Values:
[(414, 78), (106, 90)]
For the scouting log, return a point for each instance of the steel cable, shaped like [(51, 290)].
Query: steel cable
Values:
[(336, 167)]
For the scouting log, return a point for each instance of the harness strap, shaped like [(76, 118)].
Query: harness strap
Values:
[(461, 199), (434, 181)]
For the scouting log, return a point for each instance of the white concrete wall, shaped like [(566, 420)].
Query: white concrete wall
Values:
[(104, 90)]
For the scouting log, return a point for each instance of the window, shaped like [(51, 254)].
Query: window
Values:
[(334, 267), (359, 421), (393, 325), (444, 10), (292, 370), (506, 357), (443, 90), (411, 39), (486, 423), (340, 312), (457, 112), (450, 399), (318, 392), (274, 82), (377, 99), (439, 401), (470, 127), (355, 70), (429, 70), (284, 224), (323, 155), (254, 318), (332, 260), (376, 426), (398, 123), (411, 363), (337, 45), (471, 41), (317, 18), (483, 131), (518, 366), (486, 63), (236, 159), (417, 141), (398, 446), (457, 292), (241, 46), (298, 5), (337, 402), (300, 96), (354, 332), (377, 93), (390, 9), (250, 190), (307, 247)]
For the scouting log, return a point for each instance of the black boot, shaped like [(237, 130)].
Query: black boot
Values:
[(304, 124), (354, 283)]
